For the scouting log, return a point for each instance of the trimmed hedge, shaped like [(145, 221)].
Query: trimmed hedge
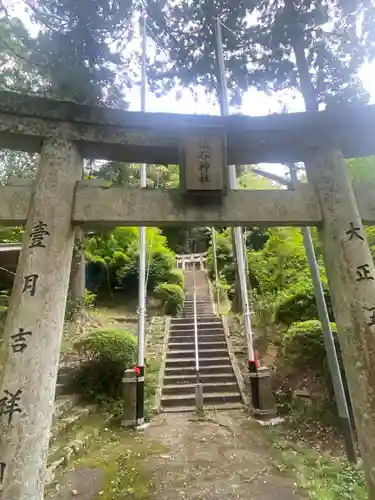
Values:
[(172, 296), (300, 305), (303, 345), (106, 354)]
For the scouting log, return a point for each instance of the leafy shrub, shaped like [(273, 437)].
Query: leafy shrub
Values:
[(162, 263), (89, 299), (303, 345), (116, 255), (172, 297), (176, 277), (299, 304), (106, 353)]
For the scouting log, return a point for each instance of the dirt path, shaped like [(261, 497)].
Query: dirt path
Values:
[(224, 456)]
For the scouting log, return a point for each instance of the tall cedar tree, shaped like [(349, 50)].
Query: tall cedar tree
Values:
[(316, 46), (79, 49)]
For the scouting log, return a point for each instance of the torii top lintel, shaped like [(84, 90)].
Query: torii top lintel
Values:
[(112, 134)]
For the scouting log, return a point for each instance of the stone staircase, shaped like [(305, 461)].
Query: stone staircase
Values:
[(220, 389)]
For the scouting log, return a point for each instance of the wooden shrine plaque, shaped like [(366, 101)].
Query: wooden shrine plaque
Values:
[(203, 161)]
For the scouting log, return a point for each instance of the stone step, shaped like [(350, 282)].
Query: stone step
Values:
[(184, 371), (204, 353), (203, 299), (190, 362), (201, 327), (205, 378), (192, 408), (201, 311), (202, 339), (212, 398), (203, 334), (187, 346), (63, 404), (199, 301), (200, 307), (184, 323), (189, 389)]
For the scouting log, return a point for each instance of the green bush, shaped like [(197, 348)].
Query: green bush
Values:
[(176, 277), (162, 263), (106, 354), (90, 297), (299, 305), (303, 345), (172, 297)]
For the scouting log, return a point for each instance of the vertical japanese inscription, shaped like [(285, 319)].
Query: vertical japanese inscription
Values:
[(354, 232), (19, 340), (364, 273), (29, 284), (10, 404), (3, 466), (371, 320), (38, 234), (204, 161)]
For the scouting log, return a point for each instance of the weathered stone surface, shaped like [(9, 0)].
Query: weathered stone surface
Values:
[(37, 306), (203, 161), (153, 137), (116, 206), (351, 276)]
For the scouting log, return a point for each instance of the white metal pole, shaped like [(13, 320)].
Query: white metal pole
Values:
[(238, 237), (142, 249), (214, 258)]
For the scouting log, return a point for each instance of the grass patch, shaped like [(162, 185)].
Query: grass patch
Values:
[(120, 455), (321, 475)]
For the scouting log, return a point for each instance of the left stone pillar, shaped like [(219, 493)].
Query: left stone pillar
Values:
[(34, 324)]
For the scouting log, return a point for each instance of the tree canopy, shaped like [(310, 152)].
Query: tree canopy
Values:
[(315, 46)]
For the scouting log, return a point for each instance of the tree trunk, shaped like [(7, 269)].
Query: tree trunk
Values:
[(298, 43)]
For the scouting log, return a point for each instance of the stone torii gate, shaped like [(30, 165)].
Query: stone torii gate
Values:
[(58, 201)]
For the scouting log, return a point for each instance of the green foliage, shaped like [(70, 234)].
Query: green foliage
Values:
[(11, 235), (117, 253), (286, 46), (129, 174), (176, 277), (89, 300), (323, 476), (17, 164), (161, 265), (303, 345), (361, 170), (299, 304), (106, 354), (224, 253), (78, 50), (172, 297)]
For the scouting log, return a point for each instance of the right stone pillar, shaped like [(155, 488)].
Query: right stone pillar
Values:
[(351, 277)]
